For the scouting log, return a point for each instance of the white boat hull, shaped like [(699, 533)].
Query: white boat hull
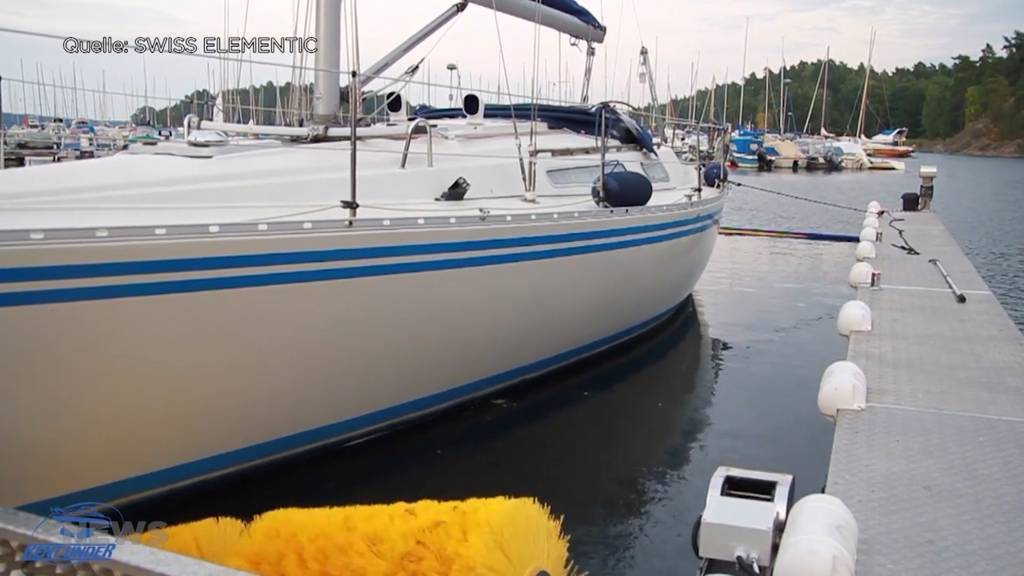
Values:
[(188, 367)]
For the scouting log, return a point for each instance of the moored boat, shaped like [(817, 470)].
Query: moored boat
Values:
[(31, 135), (784, 153), (821, 154), (746, 150), (889, 143), (223, 302), (853, 155)]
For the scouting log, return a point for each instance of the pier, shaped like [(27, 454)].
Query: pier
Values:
[(931, 467)]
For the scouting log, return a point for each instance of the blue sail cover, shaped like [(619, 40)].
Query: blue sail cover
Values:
[(573, 9), (566, 16), (575, 118)]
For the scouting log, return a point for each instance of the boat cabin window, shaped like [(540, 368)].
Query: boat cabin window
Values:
[(580, 175), (655, 171)]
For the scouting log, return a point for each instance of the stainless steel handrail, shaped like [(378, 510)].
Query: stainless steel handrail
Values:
[(430, 142)]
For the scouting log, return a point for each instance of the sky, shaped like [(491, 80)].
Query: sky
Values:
[(675, 32)]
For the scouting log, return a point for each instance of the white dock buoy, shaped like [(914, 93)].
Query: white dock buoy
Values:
[(843, 387), (869, 235), (820, 539), (861, 274), (865, 251), (854, 316), (870, 222), (874, 207)]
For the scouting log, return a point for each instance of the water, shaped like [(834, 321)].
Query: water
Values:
[(623, 445), (980, 200)]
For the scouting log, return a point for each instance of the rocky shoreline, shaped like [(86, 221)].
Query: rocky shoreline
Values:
[(978, 139)]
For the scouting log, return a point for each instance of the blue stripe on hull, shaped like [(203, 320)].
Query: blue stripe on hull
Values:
[(112, 291), (251, 454), (205, 263)]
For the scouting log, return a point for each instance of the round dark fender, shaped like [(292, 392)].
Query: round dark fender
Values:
[(714, 174), (623, 189)]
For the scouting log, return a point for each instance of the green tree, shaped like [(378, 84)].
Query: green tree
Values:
[(937, 115)]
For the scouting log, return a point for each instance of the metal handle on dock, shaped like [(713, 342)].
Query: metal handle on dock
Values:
[(960, 296), (430, 142)]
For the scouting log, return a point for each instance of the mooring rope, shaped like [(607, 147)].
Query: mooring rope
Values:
[(906, 247), (910, 250), (797, 197)]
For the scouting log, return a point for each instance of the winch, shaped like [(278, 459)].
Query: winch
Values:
[(751, 527), (741, 526)]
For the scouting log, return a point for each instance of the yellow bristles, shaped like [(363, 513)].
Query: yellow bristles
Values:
[(477, 537)]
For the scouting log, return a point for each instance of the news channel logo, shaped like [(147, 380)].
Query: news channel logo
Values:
[(87, 532)]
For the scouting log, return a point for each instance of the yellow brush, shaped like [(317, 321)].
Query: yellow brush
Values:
[(477, 537)]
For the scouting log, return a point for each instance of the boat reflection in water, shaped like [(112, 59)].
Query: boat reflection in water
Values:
[(594, 440)]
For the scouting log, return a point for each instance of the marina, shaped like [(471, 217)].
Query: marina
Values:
[(710, 362), (326, 326)]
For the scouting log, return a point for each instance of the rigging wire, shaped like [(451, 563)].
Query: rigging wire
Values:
[(218, 57), (515, 124)]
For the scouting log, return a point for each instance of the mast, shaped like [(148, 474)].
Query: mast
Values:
[(743, 76), (696, 75), (24, 99), (65, 108), (326, 95), (767, 72), (864, 96), (824, 90), (74, 88), (814, 97), (689, 113), (145, 90), (782, 90), (725, 99), (39, 91)]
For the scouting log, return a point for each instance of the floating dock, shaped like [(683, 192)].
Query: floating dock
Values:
[(931, 468)]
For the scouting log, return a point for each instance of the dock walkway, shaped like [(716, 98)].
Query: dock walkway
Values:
[(933, 467)]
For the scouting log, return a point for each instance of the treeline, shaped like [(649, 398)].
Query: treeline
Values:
[(264, 104), (933, 101)]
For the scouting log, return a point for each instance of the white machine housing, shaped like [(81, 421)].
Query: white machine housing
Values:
[(744, 515)]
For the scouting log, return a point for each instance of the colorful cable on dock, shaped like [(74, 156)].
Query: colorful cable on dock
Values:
[(794, 234)]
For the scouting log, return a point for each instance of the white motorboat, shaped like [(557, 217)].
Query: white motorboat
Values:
[(32, 136), (186, 308), (854, 157)]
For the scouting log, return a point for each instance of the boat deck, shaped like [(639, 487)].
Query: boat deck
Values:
[(931, 467)]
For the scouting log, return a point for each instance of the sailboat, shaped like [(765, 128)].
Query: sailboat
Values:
[(867, 149), (820, 151), (190, 307)]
